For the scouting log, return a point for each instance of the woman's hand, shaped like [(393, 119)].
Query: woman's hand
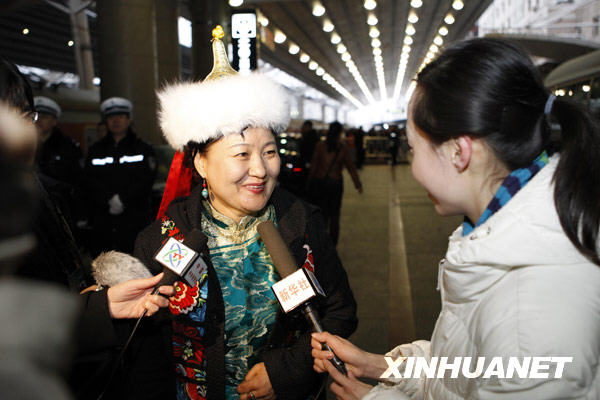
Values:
[(354, 357), (346, 387), (258, 383), (129, 299)]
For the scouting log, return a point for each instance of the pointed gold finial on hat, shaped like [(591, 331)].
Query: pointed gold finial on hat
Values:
[(221, 67)]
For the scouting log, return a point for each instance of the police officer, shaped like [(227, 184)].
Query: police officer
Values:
[(120, 171), (58, 156)]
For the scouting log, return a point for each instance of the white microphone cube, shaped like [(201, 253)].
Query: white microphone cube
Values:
[(296, 289)]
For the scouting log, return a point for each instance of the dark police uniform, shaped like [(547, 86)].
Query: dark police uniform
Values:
[(127, 169), (59, 157)]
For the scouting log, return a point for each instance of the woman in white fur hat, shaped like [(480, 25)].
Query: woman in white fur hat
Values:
[(227, 338)]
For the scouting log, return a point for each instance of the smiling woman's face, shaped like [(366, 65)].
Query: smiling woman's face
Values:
[(241, 172)]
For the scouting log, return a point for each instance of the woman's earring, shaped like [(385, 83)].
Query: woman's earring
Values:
[(204, 189)]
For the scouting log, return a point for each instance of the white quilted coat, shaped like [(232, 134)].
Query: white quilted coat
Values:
[(515, 286)]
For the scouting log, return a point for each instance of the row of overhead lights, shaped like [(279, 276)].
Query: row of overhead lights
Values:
[(280, 38), (376, 45), (410, 31), (26, 31), (319, 11), (438, 40), (434, 48)]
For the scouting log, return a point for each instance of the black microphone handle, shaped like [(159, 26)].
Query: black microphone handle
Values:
[(312, 318)]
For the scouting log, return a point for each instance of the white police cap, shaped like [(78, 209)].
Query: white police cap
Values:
[(115, 105), (45, 105)]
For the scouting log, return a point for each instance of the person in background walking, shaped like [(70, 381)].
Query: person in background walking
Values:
[(325, 181)]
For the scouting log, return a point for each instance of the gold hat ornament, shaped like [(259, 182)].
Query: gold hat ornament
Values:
[(221, 67), (224, 103)]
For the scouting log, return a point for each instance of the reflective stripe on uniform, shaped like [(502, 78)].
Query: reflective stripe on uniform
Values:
[(102, 161), (131, 159)]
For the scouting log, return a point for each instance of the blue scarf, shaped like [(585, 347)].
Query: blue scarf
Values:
[(509, 188)]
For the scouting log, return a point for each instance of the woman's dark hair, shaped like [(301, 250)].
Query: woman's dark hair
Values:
[(490, 89), (192, 148), (333, 136), (189, 154), (14, 88)]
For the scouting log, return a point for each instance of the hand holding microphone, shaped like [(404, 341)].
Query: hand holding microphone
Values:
[(297, 286), (130, 299)]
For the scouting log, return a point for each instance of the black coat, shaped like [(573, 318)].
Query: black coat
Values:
[(287, 355), (126, 168)]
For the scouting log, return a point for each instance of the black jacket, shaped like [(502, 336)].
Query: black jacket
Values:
[(126, 168), (287, 355), (60, 157)]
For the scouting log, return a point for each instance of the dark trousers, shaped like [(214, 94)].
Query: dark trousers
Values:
[(327, 195)]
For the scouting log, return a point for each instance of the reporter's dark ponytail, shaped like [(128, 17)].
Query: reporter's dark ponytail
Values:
[(577, 177), (490, 89)]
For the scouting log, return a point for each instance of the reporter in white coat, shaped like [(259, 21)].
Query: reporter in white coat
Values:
[(521, 277)]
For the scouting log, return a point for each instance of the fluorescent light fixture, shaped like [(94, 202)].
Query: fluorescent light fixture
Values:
[(458, 5), (318, 10), (370, 4), (374, 32), (328, 26), (184, 28), (279, 37), (372, 20)]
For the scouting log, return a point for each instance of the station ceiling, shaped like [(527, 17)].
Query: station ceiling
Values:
[(45, 45)]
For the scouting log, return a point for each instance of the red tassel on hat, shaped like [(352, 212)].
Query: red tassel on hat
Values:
[(179, 183)]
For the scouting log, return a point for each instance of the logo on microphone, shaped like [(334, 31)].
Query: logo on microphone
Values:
[(175, 255)]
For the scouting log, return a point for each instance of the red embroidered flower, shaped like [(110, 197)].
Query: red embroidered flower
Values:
[(184, 299)]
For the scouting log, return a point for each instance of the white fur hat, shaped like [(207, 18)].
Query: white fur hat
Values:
[(224, 103), (207, 110)]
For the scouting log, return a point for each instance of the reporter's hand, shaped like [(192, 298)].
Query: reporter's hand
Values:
[(352, 356), (129, 299), (346, 387), (256, 381)]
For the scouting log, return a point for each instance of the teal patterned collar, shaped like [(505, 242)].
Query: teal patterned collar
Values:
[(221, 229)]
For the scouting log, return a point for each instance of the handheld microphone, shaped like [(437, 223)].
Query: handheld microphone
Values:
[(182, 261), (297, 285)]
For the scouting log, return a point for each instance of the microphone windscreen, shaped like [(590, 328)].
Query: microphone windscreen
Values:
[(113, 267), (280, 254)]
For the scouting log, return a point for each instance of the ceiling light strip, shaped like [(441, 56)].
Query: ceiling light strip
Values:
[(341, 49), (312, 65)]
